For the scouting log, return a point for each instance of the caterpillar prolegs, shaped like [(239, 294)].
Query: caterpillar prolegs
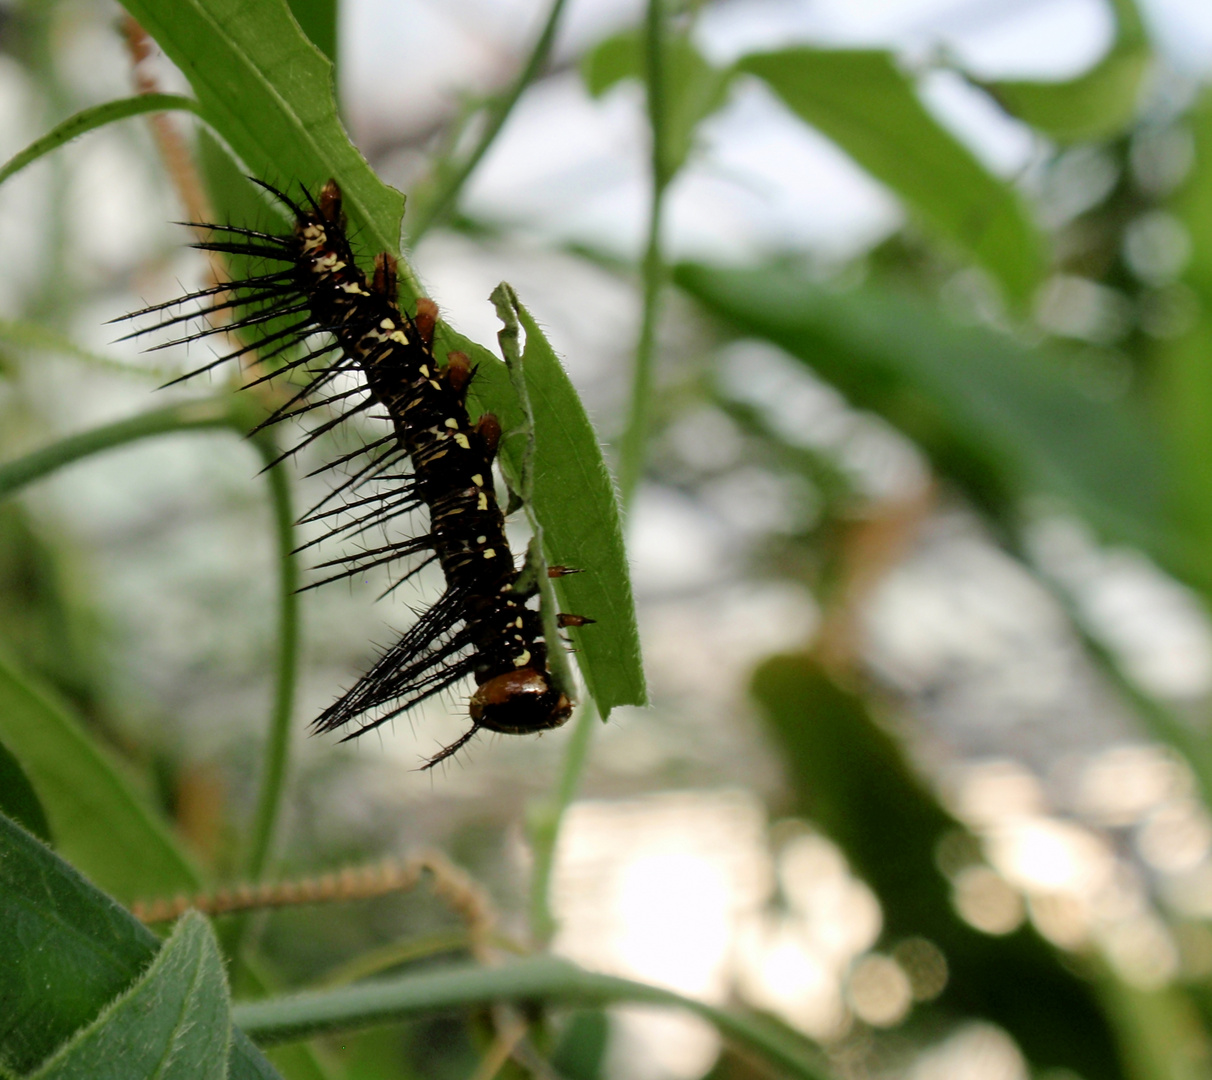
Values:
[(482, 625)]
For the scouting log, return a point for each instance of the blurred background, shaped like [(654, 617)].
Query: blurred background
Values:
[(922, 551)]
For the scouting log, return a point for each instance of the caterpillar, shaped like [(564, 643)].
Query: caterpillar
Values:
[(483, 625)]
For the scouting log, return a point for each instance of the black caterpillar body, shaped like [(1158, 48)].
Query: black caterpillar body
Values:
[(481, 626)]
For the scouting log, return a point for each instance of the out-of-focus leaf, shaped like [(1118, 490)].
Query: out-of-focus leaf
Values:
[(996, 417), (694, 89), (68, 951), (1097, 105), (1184, 363), (863, 102), (575, 504), (95, 816), (18, 799), (582, 1047), (1160, 1030), (174, 1023), (850, 776)]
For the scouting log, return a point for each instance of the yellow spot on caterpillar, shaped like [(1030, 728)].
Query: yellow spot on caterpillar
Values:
[(452, 423), (518, 622), (461, 439), (522, 659), (490, 554), (424, 370), (482, 502), (436, 385), (386, 324), (478, 479), (354, 287), (481, 539)]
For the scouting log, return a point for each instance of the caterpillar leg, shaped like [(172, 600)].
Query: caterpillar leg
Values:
[(452, 749)]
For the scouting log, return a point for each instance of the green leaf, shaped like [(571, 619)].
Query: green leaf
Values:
[(1184, 363), (998, 418), (848, 774), (268, 92), (91, 119), (68, 951), (18, 799), (318, 20), (174, 1023), (540, 978), (863, 102), (95, 816), (574, 502), (1099, 105), (694, 89)]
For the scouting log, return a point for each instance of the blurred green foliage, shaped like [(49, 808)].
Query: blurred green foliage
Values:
[(1009, 411)]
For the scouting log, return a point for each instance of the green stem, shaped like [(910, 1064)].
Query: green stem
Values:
[(635, 435), (450, 177), (300, 1016), (187, 416), (277, 752), (232, 413), (544, 820), (547, 816)]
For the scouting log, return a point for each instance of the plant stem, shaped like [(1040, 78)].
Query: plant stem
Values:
[(301, 1016), (547, 816), (187, 416), (635, 435), (277, 750), (231, 413), (449, 177)]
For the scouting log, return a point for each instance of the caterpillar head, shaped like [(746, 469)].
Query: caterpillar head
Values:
[(519, 702)]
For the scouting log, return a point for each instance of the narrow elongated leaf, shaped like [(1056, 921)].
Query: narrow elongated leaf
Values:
[(995, 417), (89, 120), (18, 799), (68, 950), (95, 816), (174, 1023), (573, 499), (268, 92), (849, 775), (1184, 363), (862, 101), (539, 978), (1097, 105), (318, 20)]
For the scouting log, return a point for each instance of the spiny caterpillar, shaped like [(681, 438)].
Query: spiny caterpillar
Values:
[(482, 625)]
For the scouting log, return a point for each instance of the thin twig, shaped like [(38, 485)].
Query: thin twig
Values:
[(461, 893), (451, 177)]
